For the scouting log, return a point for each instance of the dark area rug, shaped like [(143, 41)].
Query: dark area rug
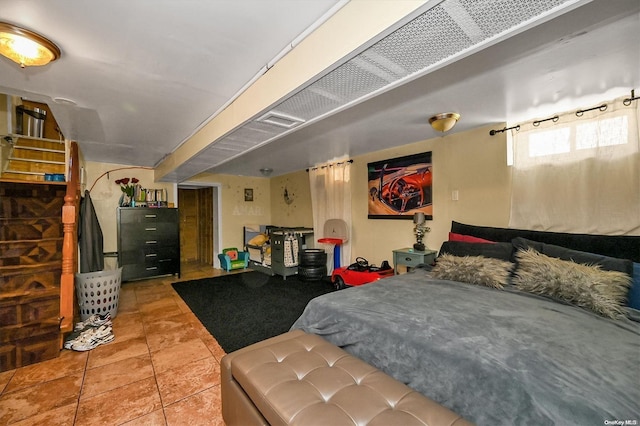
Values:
[(241, 309)]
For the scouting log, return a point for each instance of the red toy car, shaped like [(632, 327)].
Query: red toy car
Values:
[(359, 273)]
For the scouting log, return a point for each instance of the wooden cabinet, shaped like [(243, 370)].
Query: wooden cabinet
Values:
[(148, 242)]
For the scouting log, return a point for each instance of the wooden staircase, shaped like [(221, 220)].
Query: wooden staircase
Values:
[(31, 159)]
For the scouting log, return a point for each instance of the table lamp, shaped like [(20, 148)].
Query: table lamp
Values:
[(419, 229)]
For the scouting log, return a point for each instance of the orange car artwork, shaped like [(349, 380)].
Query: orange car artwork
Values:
[(400, 187)]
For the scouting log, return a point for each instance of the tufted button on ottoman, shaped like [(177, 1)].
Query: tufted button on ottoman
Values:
[(301, 379)]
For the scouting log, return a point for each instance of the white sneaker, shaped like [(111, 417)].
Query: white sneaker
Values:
[(91, 338), (94, 320), (92, 343)]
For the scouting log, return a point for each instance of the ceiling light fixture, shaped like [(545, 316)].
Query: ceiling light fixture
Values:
[(25, 47), (266, 171), (444, 122)]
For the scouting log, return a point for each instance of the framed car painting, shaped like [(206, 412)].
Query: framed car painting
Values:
[(400, 187)]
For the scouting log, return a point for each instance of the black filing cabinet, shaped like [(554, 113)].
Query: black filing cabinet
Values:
[(148, 242)]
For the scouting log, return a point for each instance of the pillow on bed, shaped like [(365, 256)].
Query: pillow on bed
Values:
[(467, 238), (258, 240), (502, 251), (473, 270), (605, 262), (587, 286)]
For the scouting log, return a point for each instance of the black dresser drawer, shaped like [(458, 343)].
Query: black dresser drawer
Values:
[(148, 242)]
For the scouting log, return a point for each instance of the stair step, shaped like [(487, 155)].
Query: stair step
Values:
[(35, 160), (21, 172), (37, 155), (27, 141), (35, 148), (23, 176), (21, 165)]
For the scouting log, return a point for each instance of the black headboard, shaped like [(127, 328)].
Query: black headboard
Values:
[(621, 246)]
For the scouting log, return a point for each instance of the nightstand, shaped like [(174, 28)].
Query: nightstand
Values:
[(410, 257)]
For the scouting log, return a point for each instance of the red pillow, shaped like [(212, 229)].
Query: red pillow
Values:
[(467, 238), (233, 254)]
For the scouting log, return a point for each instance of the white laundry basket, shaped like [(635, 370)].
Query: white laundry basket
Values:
[(98, 292)]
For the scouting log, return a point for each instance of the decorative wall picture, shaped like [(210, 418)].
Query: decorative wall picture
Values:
[(400, 187), (248, 194)]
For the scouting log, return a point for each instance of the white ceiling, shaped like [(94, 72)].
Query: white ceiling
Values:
[(145, 75)]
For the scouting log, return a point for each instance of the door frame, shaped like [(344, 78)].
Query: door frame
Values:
[(217, 212)]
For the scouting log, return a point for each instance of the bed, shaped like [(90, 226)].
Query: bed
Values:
[(496, 355)]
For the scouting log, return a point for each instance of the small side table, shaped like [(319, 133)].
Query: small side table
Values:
[(410, 257)]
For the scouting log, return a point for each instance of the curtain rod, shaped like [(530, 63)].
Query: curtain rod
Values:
[(493, 132), (330, 165), (633, 97), (579, 113)]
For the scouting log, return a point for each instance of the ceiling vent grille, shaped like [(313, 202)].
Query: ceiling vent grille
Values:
[(448, 31), (282, 120)]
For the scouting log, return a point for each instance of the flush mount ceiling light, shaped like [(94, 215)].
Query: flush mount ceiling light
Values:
[(25, 47), (445, 121), (266, 171)]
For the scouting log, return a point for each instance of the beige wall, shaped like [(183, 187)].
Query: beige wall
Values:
[(106, 194), (235, 212), (472, 162), (294, 210)]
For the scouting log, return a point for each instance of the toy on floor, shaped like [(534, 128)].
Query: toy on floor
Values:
[(359, 273)]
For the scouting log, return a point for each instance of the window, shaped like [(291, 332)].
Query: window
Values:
[(578, 174)]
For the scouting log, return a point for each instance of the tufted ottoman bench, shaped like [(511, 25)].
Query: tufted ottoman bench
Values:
[(301, 379)]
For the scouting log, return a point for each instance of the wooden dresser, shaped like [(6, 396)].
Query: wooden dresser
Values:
[(148, 242)]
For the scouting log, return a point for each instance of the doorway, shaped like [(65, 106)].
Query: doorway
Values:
[(198, 210)]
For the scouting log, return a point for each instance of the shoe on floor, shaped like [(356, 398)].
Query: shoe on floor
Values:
[(94, 342), (95, 320), (90, 338)]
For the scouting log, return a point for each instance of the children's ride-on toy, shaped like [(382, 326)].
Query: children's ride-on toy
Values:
[(359, 273)]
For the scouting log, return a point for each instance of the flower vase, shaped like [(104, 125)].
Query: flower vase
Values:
[(125, 200)]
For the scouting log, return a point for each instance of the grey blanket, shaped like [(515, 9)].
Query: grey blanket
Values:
[(496, 357)]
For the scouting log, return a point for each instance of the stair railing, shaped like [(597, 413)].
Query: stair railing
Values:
[(70, 212)]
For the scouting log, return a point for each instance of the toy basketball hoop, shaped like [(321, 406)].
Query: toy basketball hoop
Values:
[(336, 235)]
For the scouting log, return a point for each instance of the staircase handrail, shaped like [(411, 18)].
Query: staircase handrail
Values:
[(70, 212)]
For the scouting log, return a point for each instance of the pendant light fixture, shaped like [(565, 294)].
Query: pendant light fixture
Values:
[(444, 122), (25, 47)]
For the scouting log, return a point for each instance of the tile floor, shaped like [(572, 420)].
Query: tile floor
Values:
[(163, 368)]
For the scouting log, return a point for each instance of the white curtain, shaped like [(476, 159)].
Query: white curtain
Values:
[(331, 199), (579, 173)]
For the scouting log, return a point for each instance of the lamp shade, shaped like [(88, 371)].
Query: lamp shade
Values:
[(444, 122), (418, 218), (25, 47)]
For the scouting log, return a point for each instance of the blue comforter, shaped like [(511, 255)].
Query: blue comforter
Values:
[(496, 357)]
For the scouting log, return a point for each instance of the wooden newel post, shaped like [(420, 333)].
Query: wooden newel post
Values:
[(69, 244), (68, 264)]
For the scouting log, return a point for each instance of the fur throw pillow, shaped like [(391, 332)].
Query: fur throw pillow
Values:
[(587, 286), (478, 270)]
